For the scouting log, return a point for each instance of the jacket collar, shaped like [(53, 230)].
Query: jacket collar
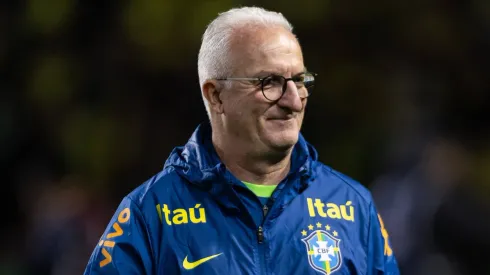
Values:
[(198, 162)]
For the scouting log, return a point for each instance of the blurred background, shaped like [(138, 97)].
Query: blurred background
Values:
[(95, 94)]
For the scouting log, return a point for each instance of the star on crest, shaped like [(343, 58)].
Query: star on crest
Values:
[(310, 227), (318, 224)]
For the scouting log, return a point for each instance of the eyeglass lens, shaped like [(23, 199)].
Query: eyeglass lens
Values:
[(270, 85)]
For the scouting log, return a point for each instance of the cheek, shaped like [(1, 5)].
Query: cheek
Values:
[(231, 107), (250, 105), (231, 103), (237, 109)]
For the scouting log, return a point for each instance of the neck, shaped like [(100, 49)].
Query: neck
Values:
[(267, 168)]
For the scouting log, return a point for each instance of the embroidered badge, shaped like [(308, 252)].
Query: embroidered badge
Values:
[(323, 249)]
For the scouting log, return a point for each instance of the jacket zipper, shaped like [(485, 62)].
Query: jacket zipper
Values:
[(260, 235), (260, 240)]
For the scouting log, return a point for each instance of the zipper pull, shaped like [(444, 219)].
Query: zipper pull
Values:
[(260, 234), (265, 209)]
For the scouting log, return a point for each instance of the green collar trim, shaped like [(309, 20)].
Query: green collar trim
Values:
[(261, 190)]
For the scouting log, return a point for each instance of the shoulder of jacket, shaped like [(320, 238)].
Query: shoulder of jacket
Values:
[(343, 181), (163, 183)]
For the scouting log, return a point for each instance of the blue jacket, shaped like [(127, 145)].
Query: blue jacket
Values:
[(195, 217)]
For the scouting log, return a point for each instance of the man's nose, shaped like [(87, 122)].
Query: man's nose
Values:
[(290, 98)]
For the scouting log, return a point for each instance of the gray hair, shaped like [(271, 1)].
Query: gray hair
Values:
[(214, 53)]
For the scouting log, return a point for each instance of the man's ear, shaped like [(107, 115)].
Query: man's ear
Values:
[(212, 90)]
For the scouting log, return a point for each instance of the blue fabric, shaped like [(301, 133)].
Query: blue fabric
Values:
[(195, 217), (263, 200)]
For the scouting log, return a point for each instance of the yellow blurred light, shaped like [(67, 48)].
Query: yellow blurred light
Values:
[(51, 83), (47, 16)]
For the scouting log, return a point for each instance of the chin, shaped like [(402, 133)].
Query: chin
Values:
[(280, 135), (282, 140)]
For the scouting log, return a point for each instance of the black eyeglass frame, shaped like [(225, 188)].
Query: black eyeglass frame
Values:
[(262, 80)]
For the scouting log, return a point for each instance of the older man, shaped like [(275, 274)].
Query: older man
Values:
[(246, 194)]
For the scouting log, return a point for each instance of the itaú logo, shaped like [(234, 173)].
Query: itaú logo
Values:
[(196, 214), (330, 210)]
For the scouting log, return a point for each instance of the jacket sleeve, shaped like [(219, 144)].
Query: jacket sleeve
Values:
[(124, 248), (381, 259)]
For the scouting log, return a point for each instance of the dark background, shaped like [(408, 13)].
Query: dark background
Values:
[(95, 94)]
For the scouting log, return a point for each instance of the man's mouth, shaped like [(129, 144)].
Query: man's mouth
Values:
[(288, 117)]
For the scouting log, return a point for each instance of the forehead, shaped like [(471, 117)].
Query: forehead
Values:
[(272, 49)]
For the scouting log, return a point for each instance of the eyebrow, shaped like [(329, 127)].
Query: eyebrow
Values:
[(267, 73)]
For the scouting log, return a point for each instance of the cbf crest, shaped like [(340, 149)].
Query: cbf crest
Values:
[(323, 249)]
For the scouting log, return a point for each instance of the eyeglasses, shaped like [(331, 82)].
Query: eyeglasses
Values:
[(274, 86)]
